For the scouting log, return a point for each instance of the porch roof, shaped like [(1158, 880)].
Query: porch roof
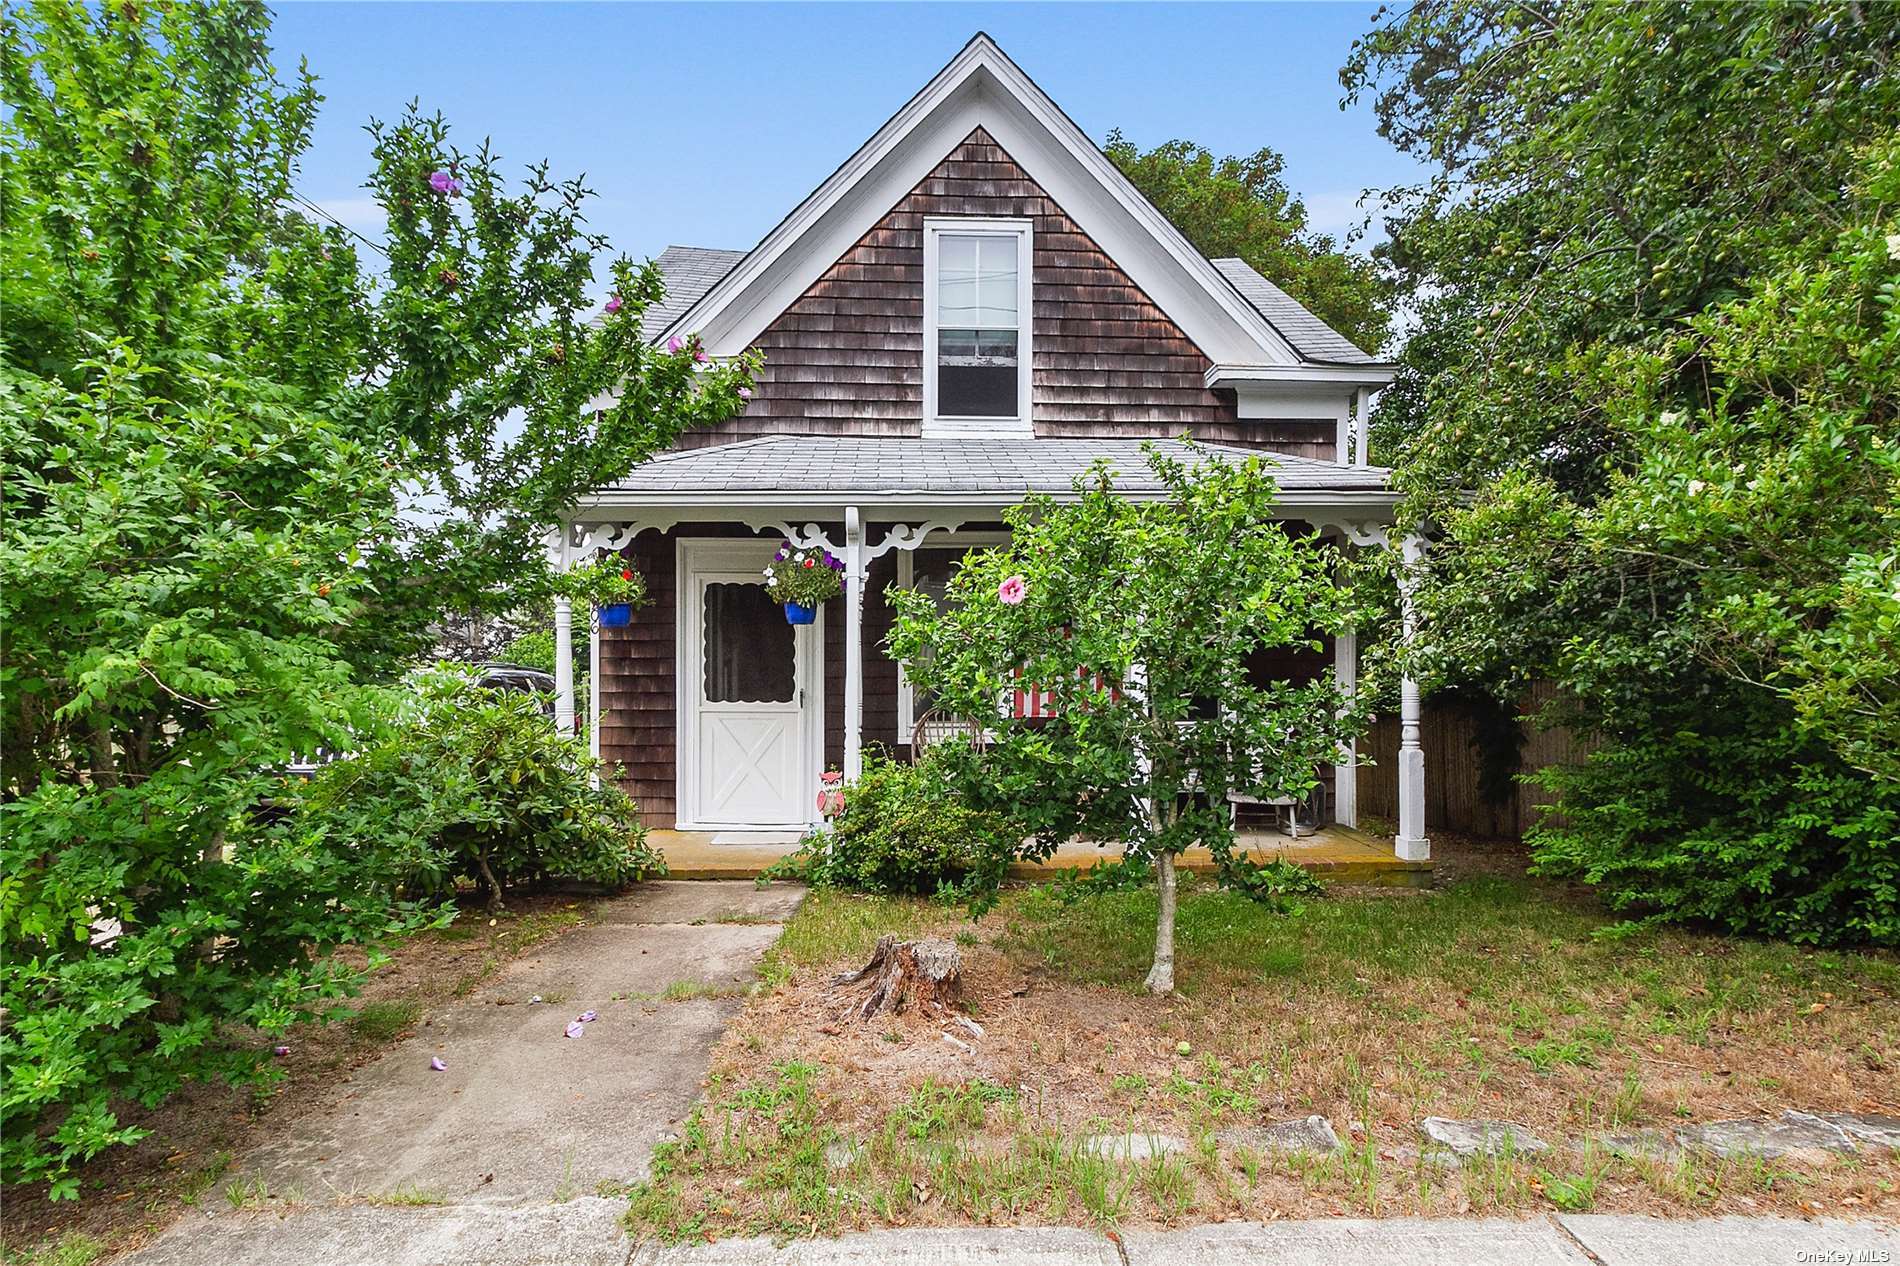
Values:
[(873, 469)]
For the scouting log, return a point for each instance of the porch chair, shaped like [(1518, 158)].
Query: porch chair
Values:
[(935, 725)]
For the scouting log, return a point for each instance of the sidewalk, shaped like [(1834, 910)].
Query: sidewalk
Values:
[(586, 1232)]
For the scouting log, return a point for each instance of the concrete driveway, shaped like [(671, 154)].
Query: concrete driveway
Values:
[(516, 1139)]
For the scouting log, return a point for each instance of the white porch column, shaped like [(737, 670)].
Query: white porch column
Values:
[(1346, 771), (1362, 427), (563, 666), (1411, 843), (854, 578), (593, 692)]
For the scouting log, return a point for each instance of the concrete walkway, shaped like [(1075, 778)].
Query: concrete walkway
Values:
[(512, 1141), (586, 1232)]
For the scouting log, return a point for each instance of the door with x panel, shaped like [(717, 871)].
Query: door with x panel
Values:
[(748, 673)]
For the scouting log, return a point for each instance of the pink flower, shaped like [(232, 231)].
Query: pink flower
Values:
[(699, 354), (445, 182), (1011, 591), (745, 393), (673, 345), (436, 1064), (613, 304)]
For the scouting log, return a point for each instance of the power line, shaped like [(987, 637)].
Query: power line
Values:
[(319, 211)]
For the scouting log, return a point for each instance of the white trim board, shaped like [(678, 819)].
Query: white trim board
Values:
[(935, 424), (692, 555)]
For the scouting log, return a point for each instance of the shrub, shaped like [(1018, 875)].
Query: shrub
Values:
[(498, 795), (1732, 818), (905, 830)]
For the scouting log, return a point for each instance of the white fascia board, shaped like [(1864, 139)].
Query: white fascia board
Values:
[(793, 504), (1233, 376), (981, 87)]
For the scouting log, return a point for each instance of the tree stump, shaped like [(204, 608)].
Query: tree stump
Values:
[(928, 972)]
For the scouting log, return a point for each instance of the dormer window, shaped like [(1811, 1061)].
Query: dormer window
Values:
[(976, 326)]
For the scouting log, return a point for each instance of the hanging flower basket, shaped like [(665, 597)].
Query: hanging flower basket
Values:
[(613, 588), (802, 579)]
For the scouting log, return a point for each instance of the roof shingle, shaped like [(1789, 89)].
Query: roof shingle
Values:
[(1311, 337), (690, 271), (830, 466)]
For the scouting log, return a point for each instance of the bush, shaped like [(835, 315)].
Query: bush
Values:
[(1730, 817), (493, 791), (904, 829)]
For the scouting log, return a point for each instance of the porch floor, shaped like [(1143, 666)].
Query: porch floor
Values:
[(1337, 853)]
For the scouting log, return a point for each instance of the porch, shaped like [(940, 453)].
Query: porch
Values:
[(1340, 854), (723, 717)]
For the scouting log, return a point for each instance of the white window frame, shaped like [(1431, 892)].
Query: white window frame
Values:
[(935, 425), (906, 578)]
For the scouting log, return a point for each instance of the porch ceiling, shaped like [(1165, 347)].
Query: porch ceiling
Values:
[(874, 469)]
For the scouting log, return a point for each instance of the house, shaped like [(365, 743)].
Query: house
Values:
[(974, 306)]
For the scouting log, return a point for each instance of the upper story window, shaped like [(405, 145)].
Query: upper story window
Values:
[(976, 326)]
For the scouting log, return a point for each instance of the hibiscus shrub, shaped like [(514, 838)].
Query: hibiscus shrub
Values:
[(903, 829)]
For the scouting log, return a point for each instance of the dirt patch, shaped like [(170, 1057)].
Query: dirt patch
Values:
[(1490, 1015), (131, 1193)]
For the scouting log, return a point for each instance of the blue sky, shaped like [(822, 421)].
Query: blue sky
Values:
[(705, 124)]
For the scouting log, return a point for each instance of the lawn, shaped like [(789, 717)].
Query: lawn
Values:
[(1495, 997)]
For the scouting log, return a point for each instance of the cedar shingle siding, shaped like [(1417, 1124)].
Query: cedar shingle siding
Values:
[(847, 357), (637, 670)]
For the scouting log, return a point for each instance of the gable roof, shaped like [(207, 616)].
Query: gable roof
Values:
[(982, 87), (1311, 337)]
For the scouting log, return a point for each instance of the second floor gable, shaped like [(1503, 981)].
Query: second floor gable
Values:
[(980, 270)]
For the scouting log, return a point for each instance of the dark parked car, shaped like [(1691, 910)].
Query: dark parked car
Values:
[(493, 677)]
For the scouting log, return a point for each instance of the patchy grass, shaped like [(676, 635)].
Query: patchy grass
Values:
[(407, 1196), (1494, 997), (384, 1022), (75, 1248), (687, 990)]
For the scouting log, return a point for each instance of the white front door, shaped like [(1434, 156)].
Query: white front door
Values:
[(747, 694)]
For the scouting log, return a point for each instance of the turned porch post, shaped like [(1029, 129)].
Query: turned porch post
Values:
[(854, 577), (563, 666), (1346, 769), (1411, 843)]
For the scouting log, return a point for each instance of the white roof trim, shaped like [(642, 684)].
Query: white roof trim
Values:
[(982, 87), (1371, 502), (1317, 375)]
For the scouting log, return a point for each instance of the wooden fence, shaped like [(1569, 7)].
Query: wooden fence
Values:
[(1453, 799)]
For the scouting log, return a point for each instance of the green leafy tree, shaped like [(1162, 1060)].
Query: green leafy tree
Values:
[(1240, 207), (1650, 401), (1140, 618), (244, 473)]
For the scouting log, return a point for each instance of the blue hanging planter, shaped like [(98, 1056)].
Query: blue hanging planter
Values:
[(796, 613), (616, 616)]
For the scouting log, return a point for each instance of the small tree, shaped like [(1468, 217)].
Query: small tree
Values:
[(1139, 619)]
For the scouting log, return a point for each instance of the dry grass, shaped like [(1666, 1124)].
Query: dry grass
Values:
[(1492, 998)]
